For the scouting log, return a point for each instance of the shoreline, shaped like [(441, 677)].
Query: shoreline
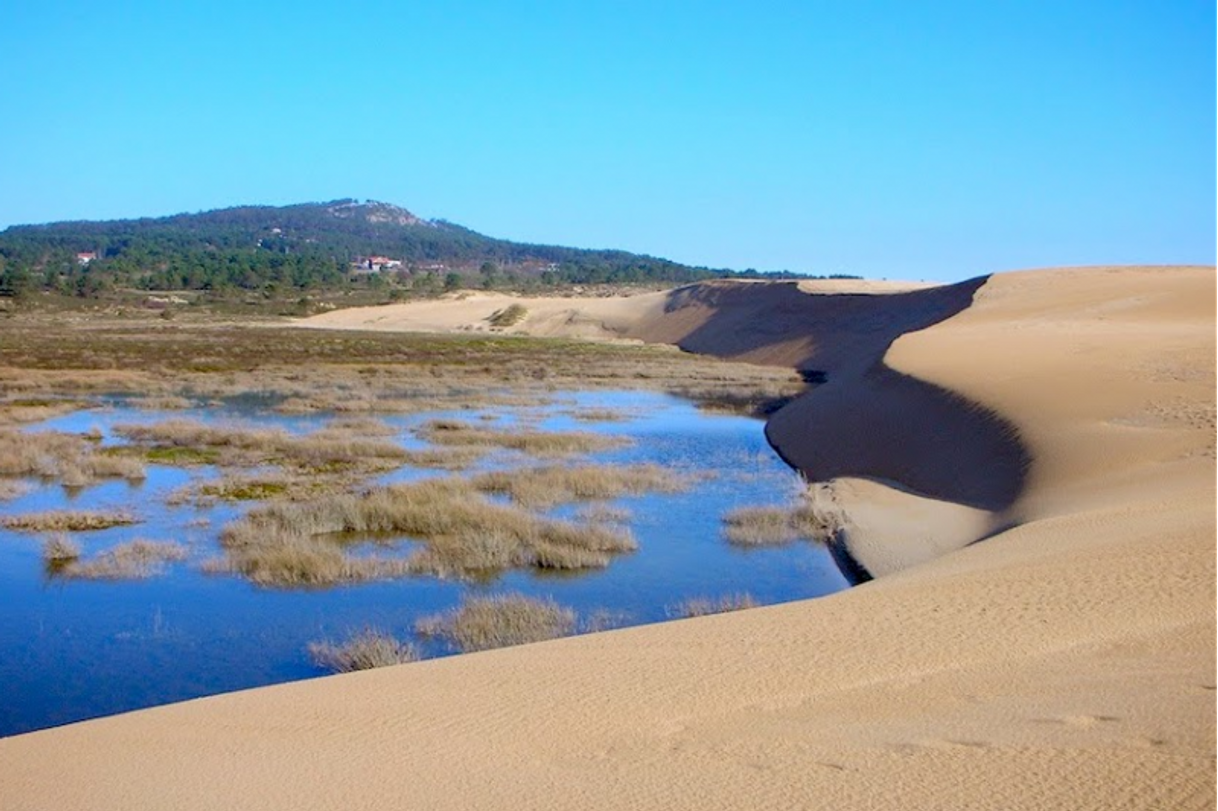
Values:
[(1066, 662)]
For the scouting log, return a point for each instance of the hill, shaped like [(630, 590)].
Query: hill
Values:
[(303, 247)]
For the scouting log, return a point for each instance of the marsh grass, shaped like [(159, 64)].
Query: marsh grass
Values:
[(464, 535), (58, 552), (68, 520), (776, 526), (133, 560), (19, 411), (330, 450), (293, 560), (182, 457), (760, 526), (536, 443), (349, 372), (358, 426), (482, 623), (243, 488), (362, 651), (451, 458), (701, 606), (72, 459), (92, 467), (548, 486), (599, 415)]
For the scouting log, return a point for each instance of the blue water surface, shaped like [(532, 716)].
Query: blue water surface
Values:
[(73, 649)]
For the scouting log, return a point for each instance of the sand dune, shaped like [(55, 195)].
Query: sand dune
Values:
[(1066, 661)]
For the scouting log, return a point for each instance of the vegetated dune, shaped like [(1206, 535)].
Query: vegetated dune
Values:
[(608, 317), (604, 318), (1066, 661)]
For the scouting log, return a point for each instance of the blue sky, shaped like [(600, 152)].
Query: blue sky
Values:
[(936, 140)]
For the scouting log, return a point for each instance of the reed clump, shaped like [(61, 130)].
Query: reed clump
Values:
[(243, 488), (328, 450), (537, 443), (132, 560), (68, 520), (548, 486), (701, 606), (362, 651), (73, 459), (776, 526), (59, 551), (482, 623), (21, 410), (451, 458), (464, 535), (288, 559)]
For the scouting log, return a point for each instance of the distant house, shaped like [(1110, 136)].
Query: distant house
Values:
[(373, 263), (383, 263), (85, 257)]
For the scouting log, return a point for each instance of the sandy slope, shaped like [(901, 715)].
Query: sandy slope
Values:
[(1064, 663), (597, 318), (627, 316)]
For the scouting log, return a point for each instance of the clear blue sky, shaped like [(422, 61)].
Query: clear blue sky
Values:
[(892, 139)]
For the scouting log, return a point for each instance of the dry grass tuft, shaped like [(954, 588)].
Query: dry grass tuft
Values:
[(775, 526), (760, 526), (59, 551), (454, 458), (17, 411), (330, 450), (483, 623), (547, 486), (68, 520), (363, 651), (599, 415), (243, 488), (133, 560), (289, 558), (358, 426), (537, 443), (701, 606), (72, 459), (465, 535)]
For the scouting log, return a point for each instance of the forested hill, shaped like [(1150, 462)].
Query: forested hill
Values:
[(307, 246)]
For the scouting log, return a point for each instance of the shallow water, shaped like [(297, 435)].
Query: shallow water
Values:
[(73, 649)]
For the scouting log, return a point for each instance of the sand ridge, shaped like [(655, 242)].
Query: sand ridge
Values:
[(1064, 662)]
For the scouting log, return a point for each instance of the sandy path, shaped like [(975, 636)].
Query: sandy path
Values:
[(1066, 663)]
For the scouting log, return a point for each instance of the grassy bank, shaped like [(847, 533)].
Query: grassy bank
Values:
[(179, 364)]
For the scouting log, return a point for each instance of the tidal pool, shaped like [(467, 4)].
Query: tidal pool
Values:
[(75, 649)]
